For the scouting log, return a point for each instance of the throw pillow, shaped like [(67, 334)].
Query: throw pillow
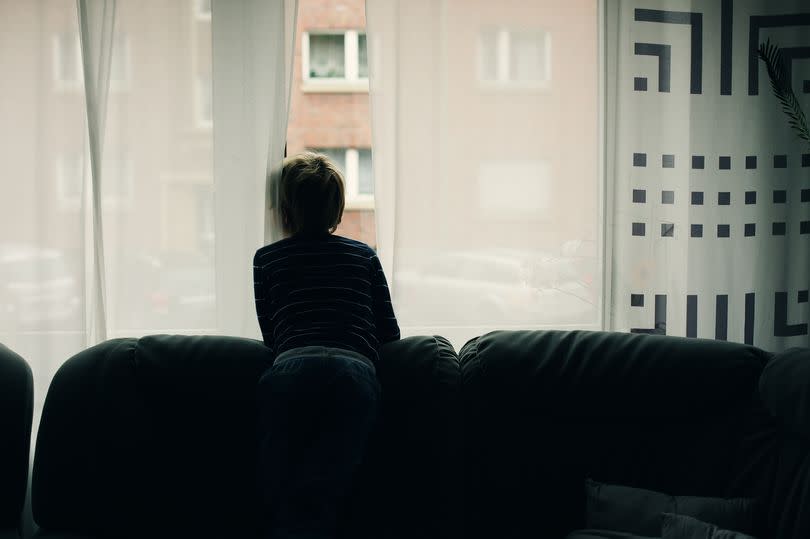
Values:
[(636, 510), (685, 527)]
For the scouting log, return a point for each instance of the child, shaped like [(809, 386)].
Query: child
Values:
[(324, 309)]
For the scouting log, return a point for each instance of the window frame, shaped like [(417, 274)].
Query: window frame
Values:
[(201, 86), (73, 202), (77, 83), (354, 199), (199, 12), (504, 80), (352, 82)]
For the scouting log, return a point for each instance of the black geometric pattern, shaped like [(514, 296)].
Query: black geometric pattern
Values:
[(732, 181), (724, 198), (782, 326), (758, 22), (664, 52)]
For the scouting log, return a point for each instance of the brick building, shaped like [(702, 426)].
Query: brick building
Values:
[(330, 105)]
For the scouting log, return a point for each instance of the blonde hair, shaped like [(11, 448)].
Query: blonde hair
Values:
[(311, 194)]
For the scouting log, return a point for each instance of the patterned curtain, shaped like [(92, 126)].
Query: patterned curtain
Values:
[(709, 206)]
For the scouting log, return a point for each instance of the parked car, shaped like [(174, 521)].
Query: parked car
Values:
[(39, 290), (164, 292), (492, 287)]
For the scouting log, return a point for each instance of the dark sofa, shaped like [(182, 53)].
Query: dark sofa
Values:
[(154, 437), (16, 412)]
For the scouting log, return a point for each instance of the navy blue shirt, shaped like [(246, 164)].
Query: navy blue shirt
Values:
[(322, 290)]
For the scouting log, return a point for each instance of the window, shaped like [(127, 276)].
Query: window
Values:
[(356, 166), (67, 62), (117, 180), (514, 58), (202, 9), (498, 181), (335, 61), (203, 102)]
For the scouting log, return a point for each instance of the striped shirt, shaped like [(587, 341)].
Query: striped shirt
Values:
[(322, 290)]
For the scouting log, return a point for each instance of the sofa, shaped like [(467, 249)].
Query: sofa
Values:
[(155, 437), (16, 412)]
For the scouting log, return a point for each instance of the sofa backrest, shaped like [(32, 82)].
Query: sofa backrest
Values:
[(156, 437), (545, 410), (16, 409)]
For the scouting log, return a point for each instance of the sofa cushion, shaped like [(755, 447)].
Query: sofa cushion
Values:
[(156, 437), (785, 389), (543, 410), (636, 510), (605, 534), (685, 527), (16, 412)]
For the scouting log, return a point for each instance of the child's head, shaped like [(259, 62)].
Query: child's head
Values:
[(311, 194)]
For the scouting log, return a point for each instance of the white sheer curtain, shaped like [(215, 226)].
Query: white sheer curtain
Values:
[(96, 27), (253, 44), (132, 196), (485, 123)]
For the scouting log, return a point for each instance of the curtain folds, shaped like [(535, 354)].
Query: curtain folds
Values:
[(710, 187), (252, 43), (96, 27)]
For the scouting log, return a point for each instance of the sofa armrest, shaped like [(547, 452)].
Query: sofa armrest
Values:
[(784, 388)]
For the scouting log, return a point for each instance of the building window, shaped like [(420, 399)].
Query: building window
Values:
[(514, 58), (356, 166), (68, 71), (499, 180), (202, 9), (203, 102), (67, 61), (335, 61), (116, 187)]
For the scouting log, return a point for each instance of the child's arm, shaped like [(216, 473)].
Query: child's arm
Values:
[(386, 322), (260, 293)]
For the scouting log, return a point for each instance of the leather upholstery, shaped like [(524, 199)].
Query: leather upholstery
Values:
[(544, 410), (16, 409), (155, 437)]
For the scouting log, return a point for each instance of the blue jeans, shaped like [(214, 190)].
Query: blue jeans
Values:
[(317, 407)]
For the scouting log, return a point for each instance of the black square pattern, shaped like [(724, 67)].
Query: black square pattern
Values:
[(637, 300), (779, 196), (723, 231), (667, 230), (750, 161), (639, 159), (639, 196), (725, 162), (779, 229), (698, 161), (697, 198), (723, 198), (750, 229), (750, 197), (697, 231), (639, 229)]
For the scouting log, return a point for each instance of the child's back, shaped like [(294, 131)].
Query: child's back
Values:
[(322, 290)]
